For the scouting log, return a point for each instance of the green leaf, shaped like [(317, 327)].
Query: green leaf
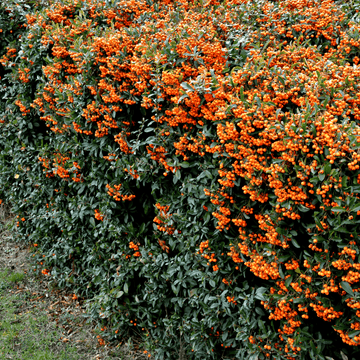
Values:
[(341, 229), (356, 209), (212, 283), (344, 181), (318, 223), (259, 311), (186, 86), (303, 208), (354, 333), (294, 242), (313, 346), (184, 164), (175, 289), (119, 294), (281, 272), (92, 221), (283, 258), (338, 209), (327, 169), (193, 292), (261, 324), (346, 286), (242, 93), (321, 177), (207, 217), (126, 288), (224, 335), (259, 294), (288, 281), (281, 80)]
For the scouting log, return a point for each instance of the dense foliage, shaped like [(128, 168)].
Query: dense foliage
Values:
[(190, 168)]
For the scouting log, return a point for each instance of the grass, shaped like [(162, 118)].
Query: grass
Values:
[(40, 322), (25, 332)]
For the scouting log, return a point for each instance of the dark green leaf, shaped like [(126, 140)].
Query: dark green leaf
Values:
[(346, 286), (294, 242), (327, 169), (259, 311), (338, 209), (288, 281), (354, 333), (281, 272)]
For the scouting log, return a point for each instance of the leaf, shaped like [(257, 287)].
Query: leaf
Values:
[(259, 311), (344, 357), (212, 283), (261, 324), (288, 281), (281, 272), (313, 346), (259, 294), (242, 93), (303, 208), (206, 217), (119, 294), (182, 97), (338, 209), (283, 258), (346, 286), (354, 333), (265, 46), (294, 242), (318, 223), (327, 169), (174, 288), (92, 221), (184, 164), (356, 209), (344, 181), (187, 86), (193, 292), (281, 80), (341, 229), (321, 177), (126, 288), (224, 335)]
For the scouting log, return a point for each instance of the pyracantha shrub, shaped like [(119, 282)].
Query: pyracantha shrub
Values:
[(191, 169)]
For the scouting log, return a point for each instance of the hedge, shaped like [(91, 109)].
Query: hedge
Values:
[(190, 169)]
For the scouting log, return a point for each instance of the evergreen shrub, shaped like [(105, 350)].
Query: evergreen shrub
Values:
[(190, 168)]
